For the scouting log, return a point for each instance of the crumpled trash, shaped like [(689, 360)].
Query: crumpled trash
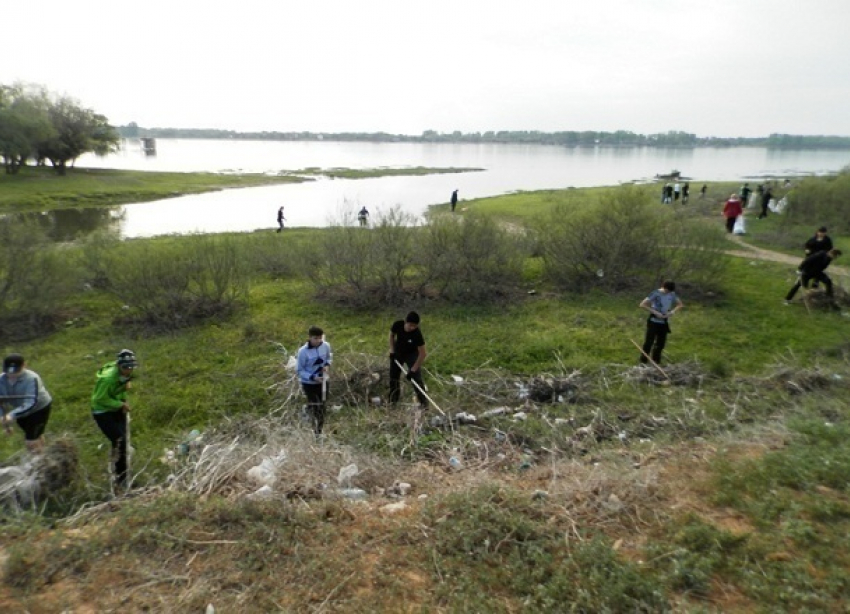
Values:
[(346, 473), (264, 492), (265, 474)]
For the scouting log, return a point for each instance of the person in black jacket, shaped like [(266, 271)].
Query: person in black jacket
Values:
[(813, 267), (818, 243)]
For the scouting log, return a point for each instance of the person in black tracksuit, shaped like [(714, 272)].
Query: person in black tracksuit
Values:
[(818, 243), (407, 347), (813, 267)]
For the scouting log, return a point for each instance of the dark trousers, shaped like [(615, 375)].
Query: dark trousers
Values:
[(730, 223), (395, 376), (113, 424), (804, 282), (315, 405), (34, 424), (656, 339), (764, 203)]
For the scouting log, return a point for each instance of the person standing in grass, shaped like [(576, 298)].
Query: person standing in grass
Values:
[(813, 268), (686, 193), (454, 200), (407, 347), (280, 219), (110, 409), (765, 201), (313, 364), (702, 191), (731, 210), (363, 217), (661, 304), (25, 400)]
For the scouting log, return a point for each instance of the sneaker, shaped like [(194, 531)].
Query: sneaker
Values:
[(786, 303)]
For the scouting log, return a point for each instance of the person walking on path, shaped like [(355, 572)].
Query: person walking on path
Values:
[(454, 200), (313, 364), (407, 347), (280, 219), (110, 409), (765, 201), (661, 304), (25, 400), (731, 210), (363, 217), (813, 267)]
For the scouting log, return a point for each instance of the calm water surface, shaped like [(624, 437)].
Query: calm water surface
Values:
[(508, 168)]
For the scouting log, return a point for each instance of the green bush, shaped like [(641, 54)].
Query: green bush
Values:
[(171, 284), (821, 200), (626, 241), (470, 258), (35, 278)]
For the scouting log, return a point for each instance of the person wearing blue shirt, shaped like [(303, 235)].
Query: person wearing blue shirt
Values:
[(313, 364), (661, 304), (25, 400)]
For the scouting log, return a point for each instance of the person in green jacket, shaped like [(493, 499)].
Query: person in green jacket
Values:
[(109, 409)]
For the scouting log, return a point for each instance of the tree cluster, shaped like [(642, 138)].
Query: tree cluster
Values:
[(38, 126)]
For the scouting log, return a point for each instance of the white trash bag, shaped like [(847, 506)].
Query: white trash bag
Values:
[(739, 228)]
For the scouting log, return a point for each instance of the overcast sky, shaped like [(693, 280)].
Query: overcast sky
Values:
[(711, 67)]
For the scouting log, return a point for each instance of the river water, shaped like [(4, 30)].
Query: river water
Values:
[(507, 168)]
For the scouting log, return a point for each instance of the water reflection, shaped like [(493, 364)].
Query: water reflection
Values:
[(63, 225)]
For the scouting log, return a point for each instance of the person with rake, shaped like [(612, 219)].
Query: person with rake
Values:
[(111, 411), (661, 304), (25, 400), (407, 347), (313, 364)]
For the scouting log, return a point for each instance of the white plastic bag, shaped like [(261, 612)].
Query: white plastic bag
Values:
[(739, 228)]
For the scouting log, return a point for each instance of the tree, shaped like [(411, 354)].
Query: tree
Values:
[(24, 121), (77, 131)]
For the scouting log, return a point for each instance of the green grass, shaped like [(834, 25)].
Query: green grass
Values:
[(792, 557), (41, 189)]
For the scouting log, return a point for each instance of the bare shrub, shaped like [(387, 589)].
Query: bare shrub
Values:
[(35, 278), (170, 284), (469, 258), (269, 254), (626, 241)]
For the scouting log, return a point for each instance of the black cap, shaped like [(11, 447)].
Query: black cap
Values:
[(13, 363), (822, 229)]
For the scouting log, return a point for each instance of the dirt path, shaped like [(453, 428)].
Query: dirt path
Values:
[(757, 253)]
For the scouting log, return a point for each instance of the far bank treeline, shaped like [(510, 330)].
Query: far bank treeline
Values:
[(567, 138)]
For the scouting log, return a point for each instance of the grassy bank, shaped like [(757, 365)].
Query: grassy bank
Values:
[(723, 492)]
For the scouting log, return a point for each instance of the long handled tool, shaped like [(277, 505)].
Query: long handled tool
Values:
[(654, 364), (419, 388)]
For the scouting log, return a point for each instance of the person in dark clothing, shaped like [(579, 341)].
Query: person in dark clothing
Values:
[(702, 191), (668, 194), (686, 193), (745, 193), (109, 409), (813, 267), (765, 201), (407, 347), (818, 243), (661, 304), (454, 200), (280, 219)]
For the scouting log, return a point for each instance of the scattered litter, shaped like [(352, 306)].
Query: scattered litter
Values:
[(519, 416), (357, 494), (540, 495), (455, 463), (465, 418), (393, 508), (346, 473), (496, 411), (263, 493), (457, 379), (265, 473)]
